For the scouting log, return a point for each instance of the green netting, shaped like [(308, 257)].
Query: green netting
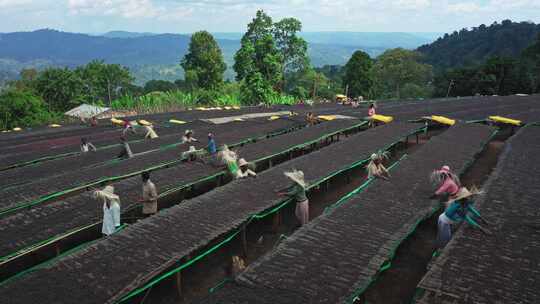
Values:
[(116, 178), (175, 189), (234, 234), (388, 263), (48, 262)]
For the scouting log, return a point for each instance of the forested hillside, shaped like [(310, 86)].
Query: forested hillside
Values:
[(473, 46), (156, 56)]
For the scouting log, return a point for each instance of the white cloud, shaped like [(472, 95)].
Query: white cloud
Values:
[(5, 4), (464, 7), (413, 4), (122, 8)]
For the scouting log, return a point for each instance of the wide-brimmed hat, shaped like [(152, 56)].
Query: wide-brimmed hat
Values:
[(108, 191), (445, 168), (188, 131), (464, 193), (242, 162), (297, 176), (374, 156)]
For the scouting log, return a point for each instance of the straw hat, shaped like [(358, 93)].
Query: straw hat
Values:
[(188, 131), (242, 162), (374, 156), (108, 192), (445, 168), (464, 193), (297, 176)]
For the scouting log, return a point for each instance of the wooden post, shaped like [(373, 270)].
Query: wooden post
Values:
[(57, 249), (416, 138), (276, 222), (244, 241), (178, 283)]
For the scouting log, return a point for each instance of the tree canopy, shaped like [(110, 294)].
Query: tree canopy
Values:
[(399, 68), (359, 75), (258, 62), (203, 64)]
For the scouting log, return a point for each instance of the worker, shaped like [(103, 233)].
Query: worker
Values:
[(149, 195), (460, 208), (371, 113), (447, 182), (150, 133), (87, 146), (127, 127), (311, 119), (211, 147), (229, 158), (93, 121), (111, 209), (188, 137), (297, 191), (125, 151), (244, 168), (376, 168)]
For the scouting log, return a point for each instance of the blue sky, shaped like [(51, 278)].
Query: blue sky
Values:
[(183, 16)]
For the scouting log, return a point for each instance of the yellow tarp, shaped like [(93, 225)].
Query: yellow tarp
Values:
[(341, 96), (54, 126), (505, 120), (238, 119), (236, 107), (117, 121), (227, 108), (273, 117), (327, 117), (143, 122), (382, 118), (443, 120), (17, 129), (180, 122)]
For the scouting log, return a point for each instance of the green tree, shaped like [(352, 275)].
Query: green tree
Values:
[(21, 108), (159, 86), (104, 81), (61, 89), (204, 61), (359, 75), (258, 61), (292, 47), (397, 67)]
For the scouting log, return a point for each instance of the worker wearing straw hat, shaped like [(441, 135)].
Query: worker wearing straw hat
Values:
[(150, 133), (244, 168), (111, 209), (188, 137), (447, 182), (149, 195), (125, 151), (229, 158), (297, 192), (459, 209), (87, 146), (191, 154), (375, 168)]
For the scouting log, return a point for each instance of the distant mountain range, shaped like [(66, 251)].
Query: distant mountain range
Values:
[(157, 56)]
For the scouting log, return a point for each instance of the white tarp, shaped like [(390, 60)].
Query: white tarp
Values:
[(222, 120), (86, 111)]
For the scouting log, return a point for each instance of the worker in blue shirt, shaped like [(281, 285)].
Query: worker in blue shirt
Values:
[(458, 210), (211, 147)]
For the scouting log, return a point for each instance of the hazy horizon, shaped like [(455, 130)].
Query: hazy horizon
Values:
[(232, 16)]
